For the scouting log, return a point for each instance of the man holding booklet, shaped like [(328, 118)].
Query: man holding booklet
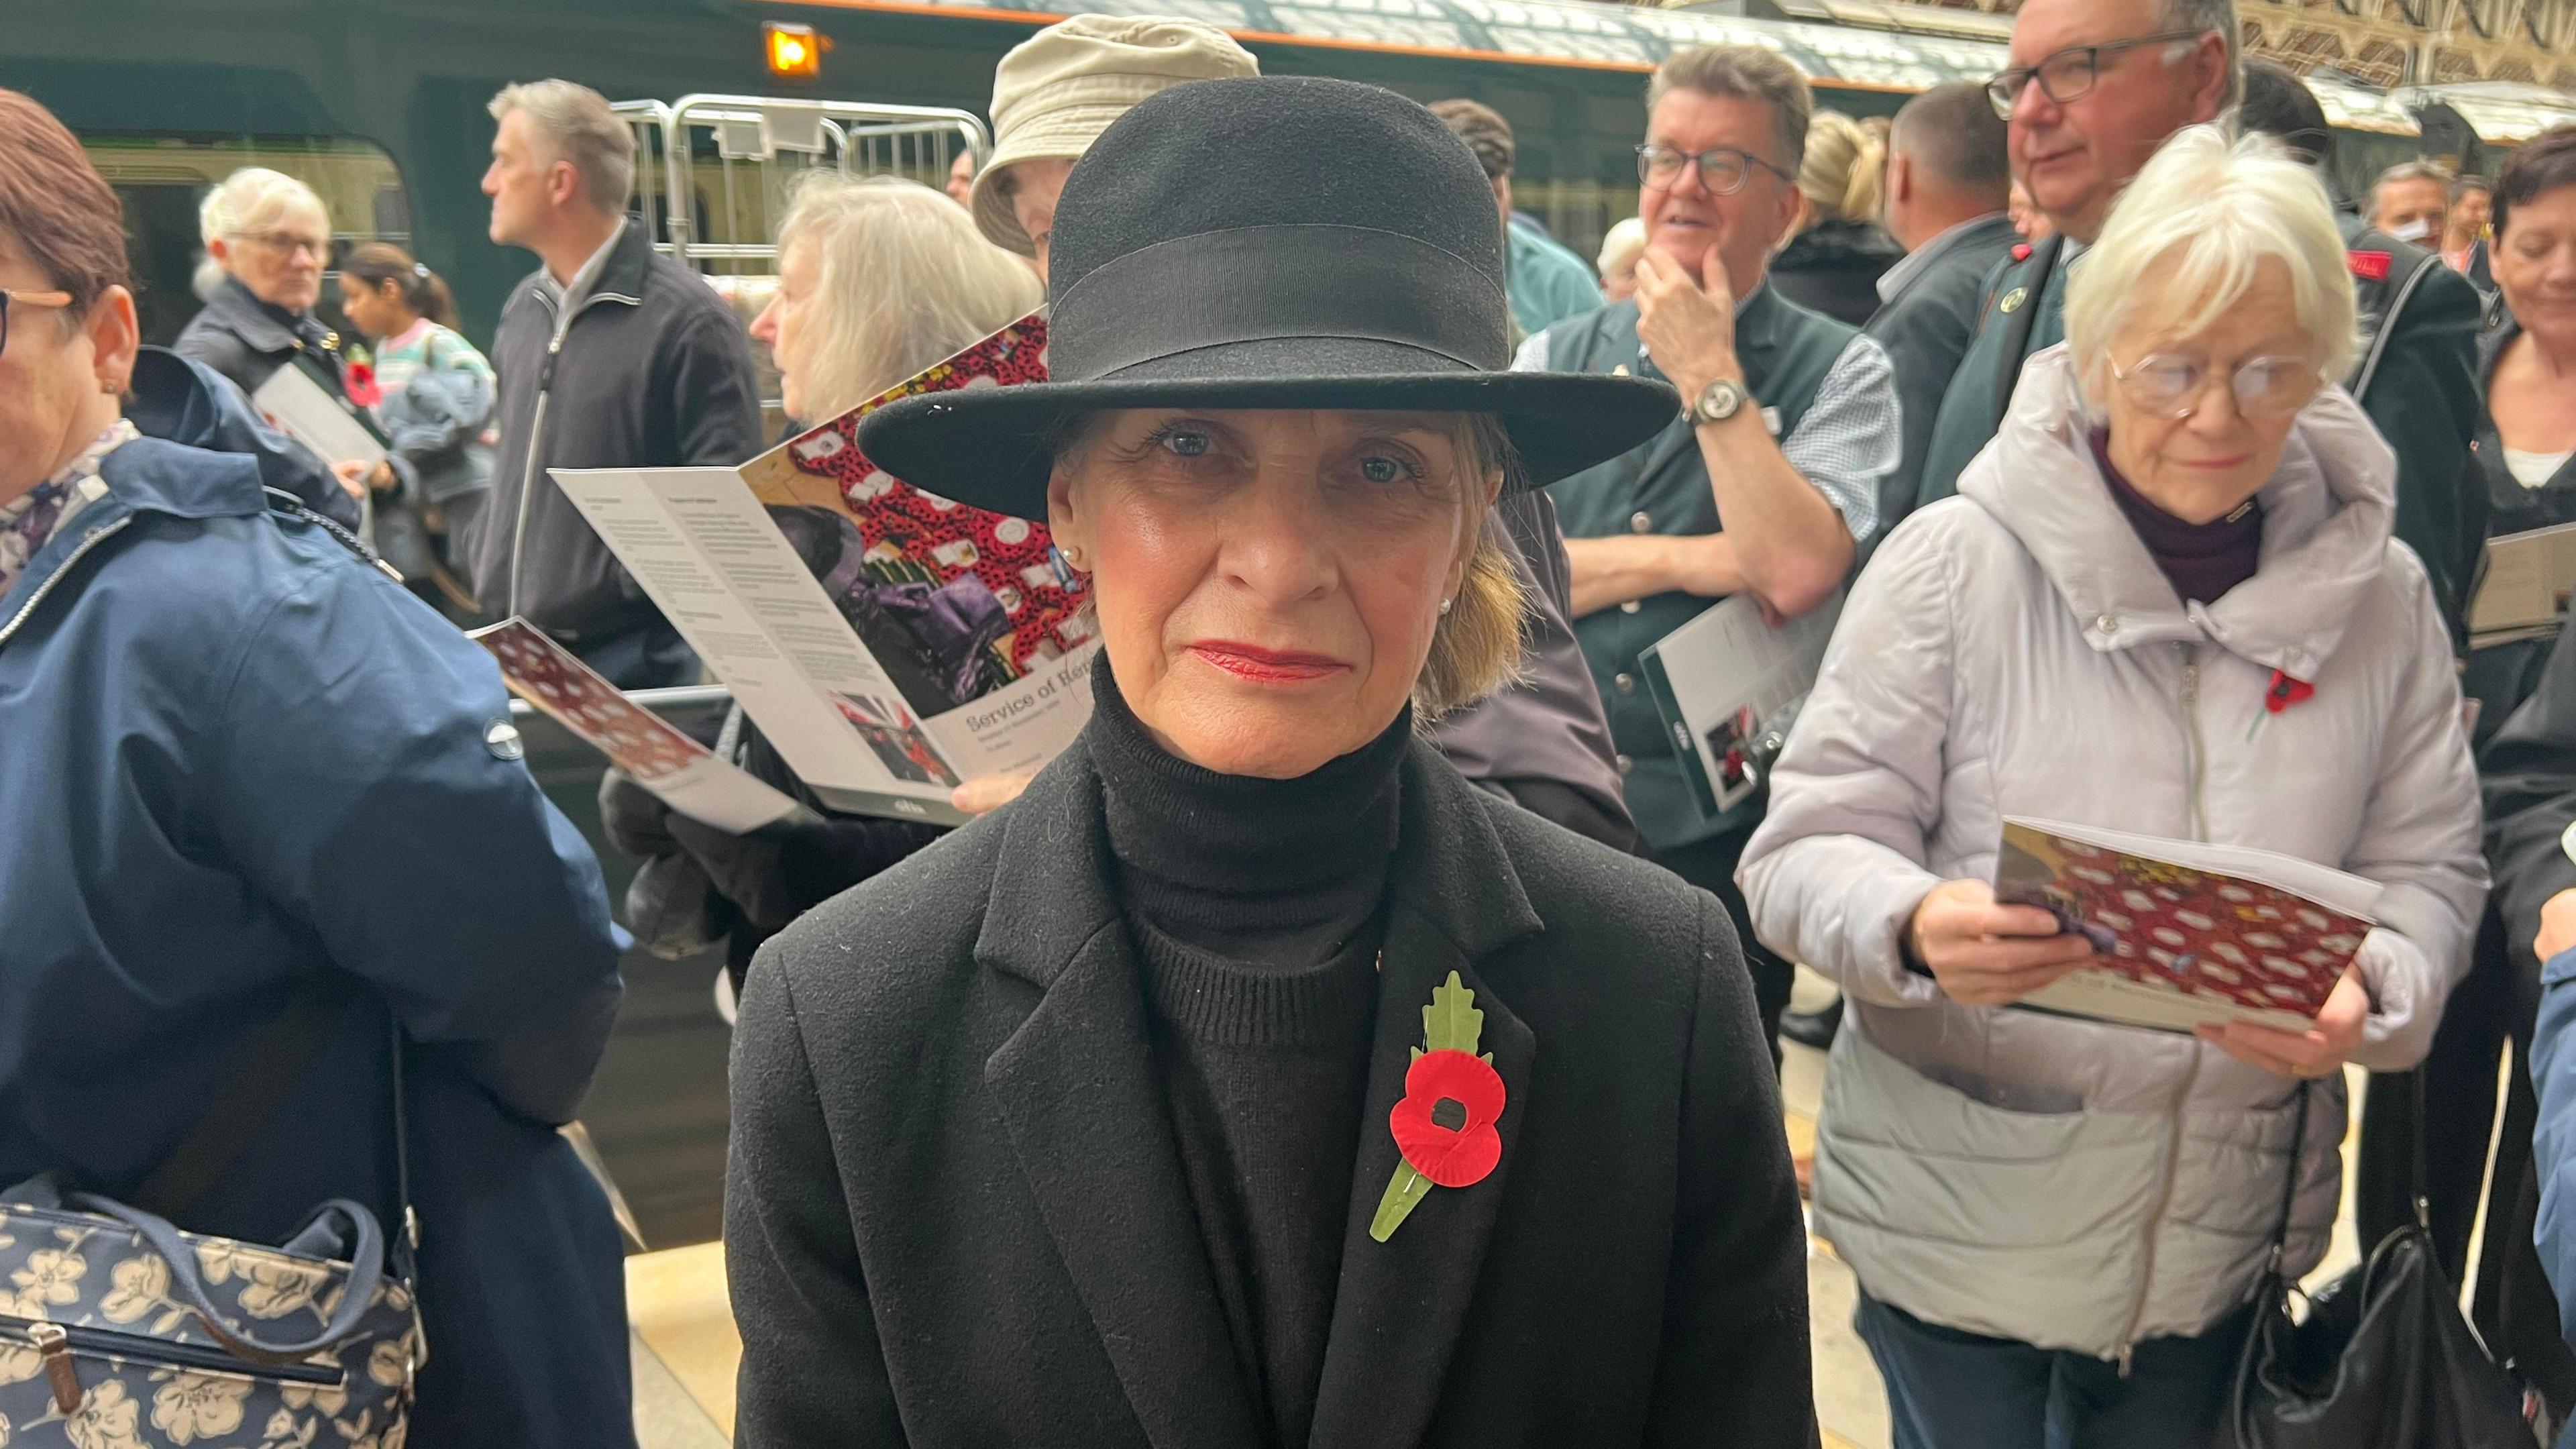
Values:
[(2164, 610)]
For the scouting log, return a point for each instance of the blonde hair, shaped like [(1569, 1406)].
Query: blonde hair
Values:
[(1841, 171), (575, 125), (906, 281), (2216, 210), (1477, 647), (254, 200)]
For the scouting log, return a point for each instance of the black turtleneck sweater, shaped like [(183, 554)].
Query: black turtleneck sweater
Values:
[(2201, 560), (1255, 909)]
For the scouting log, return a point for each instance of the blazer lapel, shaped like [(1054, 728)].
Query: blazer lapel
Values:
[(1402, 1304), (1077, 1088)]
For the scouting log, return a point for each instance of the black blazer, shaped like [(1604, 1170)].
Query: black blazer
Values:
[(955, 1214), (1926, 328)]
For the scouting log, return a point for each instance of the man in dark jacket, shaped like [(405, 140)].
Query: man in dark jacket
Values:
[(609, 356), (2422, 392), (1948, 179), (2092, 90), (2418, 378)]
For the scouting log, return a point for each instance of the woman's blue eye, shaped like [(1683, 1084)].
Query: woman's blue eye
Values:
[(1381, 470), (1187, 444)]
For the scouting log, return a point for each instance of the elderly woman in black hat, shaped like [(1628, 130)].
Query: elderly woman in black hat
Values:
[(1253, 1080)]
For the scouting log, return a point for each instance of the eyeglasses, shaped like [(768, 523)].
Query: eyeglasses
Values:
[(2068, 74), (1723, 170), (12, 301), (287, 244), (2169, 385)]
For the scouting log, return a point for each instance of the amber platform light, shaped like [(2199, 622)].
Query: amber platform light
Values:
[(795, 51)]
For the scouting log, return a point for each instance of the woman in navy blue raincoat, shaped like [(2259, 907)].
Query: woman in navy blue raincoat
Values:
[(242, 769)]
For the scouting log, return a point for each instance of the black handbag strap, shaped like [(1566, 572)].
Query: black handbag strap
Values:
[(2290, 1188), (245, 1105), (2020, 321), (2367, 371), (2418, 1164), (253, 1097)]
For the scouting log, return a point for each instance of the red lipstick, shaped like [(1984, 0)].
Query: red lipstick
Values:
[(1257, 665)]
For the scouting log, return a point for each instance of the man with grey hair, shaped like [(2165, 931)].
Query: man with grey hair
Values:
[(1766, 485), (609, 356), (2092, 89), (2411, 201)]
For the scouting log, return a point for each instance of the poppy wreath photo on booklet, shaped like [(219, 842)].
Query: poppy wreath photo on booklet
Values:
[(2185, 934)]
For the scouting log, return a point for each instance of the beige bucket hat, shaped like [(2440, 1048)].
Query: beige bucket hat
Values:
[(1058, 90)]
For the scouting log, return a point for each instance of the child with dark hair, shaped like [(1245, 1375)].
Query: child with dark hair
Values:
[(433, 395)]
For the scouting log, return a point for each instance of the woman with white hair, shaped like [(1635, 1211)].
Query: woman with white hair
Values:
[(271, 237), (2165, 601), (1617, 264), (878, 279)]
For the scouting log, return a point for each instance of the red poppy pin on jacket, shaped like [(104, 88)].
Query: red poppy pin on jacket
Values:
[(1458, 1147)]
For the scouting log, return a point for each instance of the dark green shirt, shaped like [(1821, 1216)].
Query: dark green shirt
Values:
[(1662, 486)]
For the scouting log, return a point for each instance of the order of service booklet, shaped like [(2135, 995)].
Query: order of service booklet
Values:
[(2524, 593), (891, 643), (333, 430), (688, 776), (1727, 682), (2187, 933)]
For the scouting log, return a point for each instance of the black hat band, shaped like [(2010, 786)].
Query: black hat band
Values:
[(1262, 283)]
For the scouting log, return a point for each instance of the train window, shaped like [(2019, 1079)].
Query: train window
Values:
[(1577, 213), (163, 178)]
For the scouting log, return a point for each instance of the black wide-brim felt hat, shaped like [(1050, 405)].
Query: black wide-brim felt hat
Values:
[(1281, 242)]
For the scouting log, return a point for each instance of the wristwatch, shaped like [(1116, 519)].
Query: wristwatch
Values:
[(1718, 401)]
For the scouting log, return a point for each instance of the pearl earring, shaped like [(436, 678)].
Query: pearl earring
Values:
[(1444, 607)]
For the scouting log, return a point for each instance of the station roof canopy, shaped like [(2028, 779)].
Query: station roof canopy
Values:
[(1841, 44)]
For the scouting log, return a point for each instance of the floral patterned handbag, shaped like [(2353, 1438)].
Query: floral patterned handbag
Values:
[(118, 1331)]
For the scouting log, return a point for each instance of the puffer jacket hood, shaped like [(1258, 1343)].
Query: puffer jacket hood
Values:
[(2327, 514), (2015, 651)]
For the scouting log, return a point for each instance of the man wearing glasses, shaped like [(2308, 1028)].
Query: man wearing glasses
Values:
[(2085, 107), (2093, 88), (1767, 482)]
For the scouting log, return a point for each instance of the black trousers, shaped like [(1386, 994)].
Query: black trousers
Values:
[(1710, 865)]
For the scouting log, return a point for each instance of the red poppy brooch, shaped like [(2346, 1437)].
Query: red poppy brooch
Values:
[(358, 382), (2284, 690), (1444, 1126)]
